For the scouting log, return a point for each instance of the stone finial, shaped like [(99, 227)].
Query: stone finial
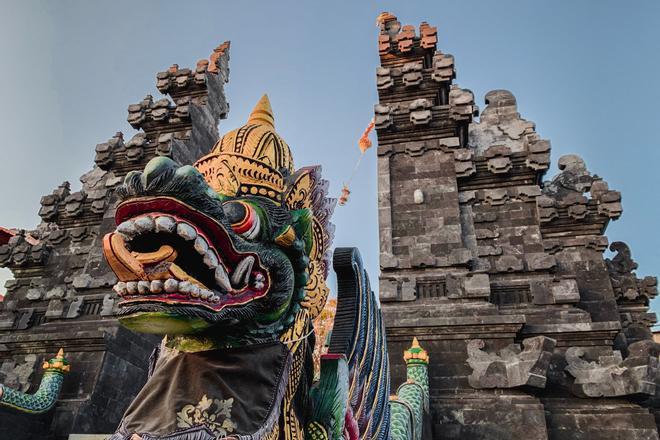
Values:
[(388, 23), (626, 285), (568, 187), (218, 57), (461, 104), (428, 36), (443, 67)]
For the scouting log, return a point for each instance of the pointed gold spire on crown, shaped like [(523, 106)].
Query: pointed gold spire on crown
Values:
[(416, 354), (60, 354), (262, 114)]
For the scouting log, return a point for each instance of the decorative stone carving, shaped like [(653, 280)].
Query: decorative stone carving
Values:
[(182, 110), (501, 124), (611, 376), (555, 291), (50, 203), (496, 197), (78, 234), (609, 202), (160, 110), (18, 376), (463, 163), (461, 104), (55, 308), (135, 147), (383, 116), (539, 153), (428, 36), (98, 200), (626, 285), (164, 147), (412, 74), (574, 180), (443, 67), (74, 203), (420, 111), (384, 78), (108, 308), (56, 292), (499, 161), (200, 72), (546, 209), (510, 367), (405, 38), (137, 113), (105, 152), (75, 308)]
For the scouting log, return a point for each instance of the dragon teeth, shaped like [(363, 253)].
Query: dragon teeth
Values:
[(144, 224), (171, 286), (132, 287), (185, 287), (210, 259), (165, 223), (195, 291), (156, 286), (241, 274), (215, 299), (205, 294), (258, 285), (222, 278), (127, 229), (259, 277), (143, 287), (200, 245), (185, 231), (120, 288)]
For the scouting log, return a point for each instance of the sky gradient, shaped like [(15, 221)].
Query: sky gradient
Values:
[(586, 72)]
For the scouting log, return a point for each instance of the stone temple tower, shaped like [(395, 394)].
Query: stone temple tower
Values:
[(531, 332)]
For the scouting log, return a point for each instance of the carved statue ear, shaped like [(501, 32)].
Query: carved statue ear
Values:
[(306, 197), (301, 222)]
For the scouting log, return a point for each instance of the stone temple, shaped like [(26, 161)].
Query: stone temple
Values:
[(499, 273), (532, 333)]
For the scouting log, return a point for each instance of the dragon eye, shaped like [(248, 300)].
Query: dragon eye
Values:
[(243, 218)]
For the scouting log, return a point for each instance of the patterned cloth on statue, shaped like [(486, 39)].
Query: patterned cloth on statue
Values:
[(230, 392)]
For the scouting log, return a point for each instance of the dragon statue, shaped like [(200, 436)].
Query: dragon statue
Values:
[(46, 395), (228, 260)]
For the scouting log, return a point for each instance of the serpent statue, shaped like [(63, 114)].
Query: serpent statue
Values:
[(46, 395), (228, 260)]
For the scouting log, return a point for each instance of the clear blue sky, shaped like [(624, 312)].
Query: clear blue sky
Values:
[(586, 72)]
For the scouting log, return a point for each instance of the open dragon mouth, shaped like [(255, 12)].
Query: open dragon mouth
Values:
[(167, 253)]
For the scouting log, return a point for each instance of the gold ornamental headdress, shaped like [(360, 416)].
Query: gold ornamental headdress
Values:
[(254, 160)]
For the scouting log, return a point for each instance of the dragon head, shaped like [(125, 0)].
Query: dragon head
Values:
[(235, 245)]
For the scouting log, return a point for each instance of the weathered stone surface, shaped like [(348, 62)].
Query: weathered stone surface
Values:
[(510, 367), (611, 376)]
